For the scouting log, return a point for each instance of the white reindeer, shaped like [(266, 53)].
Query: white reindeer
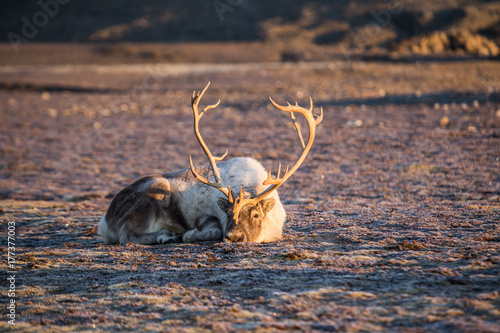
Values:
[(180, 207)]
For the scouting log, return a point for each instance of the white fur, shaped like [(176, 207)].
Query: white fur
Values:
[(103, 230), (273, 228)]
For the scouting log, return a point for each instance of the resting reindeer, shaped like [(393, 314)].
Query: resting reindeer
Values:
[(180, 207)]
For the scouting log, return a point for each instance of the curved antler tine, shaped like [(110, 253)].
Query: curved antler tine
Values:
[(276, 105), (195, 173), (319, 118), (289, 107), (297, 128), (241, 193), (310, 104), (225, 190), (220, 158), (278, 180), (200, 95), (191, 163), (230, 195), (213, 106)]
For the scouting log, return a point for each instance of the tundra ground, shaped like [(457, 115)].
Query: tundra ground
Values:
[(393, 219)]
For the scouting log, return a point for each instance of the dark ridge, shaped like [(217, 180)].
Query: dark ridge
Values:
[(429, 99), (52, 88)]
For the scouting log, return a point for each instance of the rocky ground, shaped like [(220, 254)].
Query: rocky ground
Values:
[(393, 219)]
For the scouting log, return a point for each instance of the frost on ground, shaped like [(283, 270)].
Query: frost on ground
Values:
[(363, 266), (393, 220)]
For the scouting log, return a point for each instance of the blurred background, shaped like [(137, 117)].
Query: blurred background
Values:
[(121, 31), (97, 93)]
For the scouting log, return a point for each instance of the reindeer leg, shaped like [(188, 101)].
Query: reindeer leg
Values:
[(207, 234), (159, 237), (208, 229)]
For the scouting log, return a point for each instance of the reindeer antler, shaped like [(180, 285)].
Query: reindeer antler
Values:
[(197, 116), (313, 121)]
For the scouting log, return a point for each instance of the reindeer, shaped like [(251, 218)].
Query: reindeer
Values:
[(185, 206)]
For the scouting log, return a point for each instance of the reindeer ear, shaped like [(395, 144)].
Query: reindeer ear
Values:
[(267, 204), (223, 204)]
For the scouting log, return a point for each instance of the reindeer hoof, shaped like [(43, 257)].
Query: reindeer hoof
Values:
[(165, 238)]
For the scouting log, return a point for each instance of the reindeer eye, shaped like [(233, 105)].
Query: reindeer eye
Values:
[(255, 216)]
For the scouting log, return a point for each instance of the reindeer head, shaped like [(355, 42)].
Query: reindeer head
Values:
[(247, 213), (245, 217)]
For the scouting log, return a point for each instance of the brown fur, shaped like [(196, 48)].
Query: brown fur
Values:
[(250, 217)]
